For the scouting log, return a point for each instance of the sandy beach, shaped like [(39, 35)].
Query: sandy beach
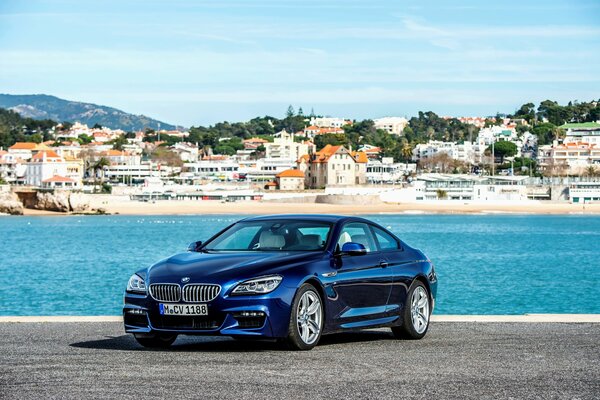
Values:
[(121, 205)]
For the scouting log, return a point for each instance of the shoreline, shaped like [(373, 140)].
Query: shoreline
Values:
[(119, 206)]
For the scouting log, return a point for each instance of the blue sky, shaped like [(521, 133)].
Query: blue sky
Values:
[(197, 61)]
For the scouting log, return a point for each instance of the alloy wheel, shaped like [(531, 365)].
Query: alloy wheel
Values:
[(309, 316), (419, 309)]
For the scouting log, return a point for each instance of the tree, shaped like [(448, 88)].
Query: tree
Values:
[(118, 142), (84, 139), (290, 112), (527, 112), (162, 155), (592, 171), (97, 126), (503, 149), (407, 152), (99, 167)]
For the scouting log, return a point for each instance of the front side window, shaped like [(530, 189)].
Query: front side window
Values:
[(385, 240), (272, 235), (357, 232)]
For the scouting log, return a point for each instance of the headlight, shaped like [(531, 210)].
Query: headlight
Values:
[(264, 284), (136, 284)]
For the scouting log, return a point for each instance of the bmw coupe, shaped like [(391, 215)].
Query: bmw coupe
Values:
[(292, 278)]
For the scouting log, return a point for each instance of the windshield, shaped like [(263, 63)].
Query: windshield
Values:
[(272, 235)]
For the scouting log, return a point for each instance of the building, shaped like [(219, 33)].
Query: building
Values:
[(386, 171), (253, 143), (333, 166), (570, 158), (284, 146), (187, 152), (290, 179), (329, 122), (584, 192), (26, 150), (44, 165), (392, 125), (587, 132), (313, 130), (59, 182)]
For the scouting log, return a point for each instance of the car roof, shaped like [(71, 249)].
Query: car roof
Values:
[(301, 217)]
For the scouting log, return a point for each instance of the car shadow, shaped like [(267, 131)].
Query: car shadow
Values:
[(226, 344)]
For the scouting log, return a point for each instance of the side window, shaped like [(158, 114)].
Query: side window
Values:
[(357, 232), (385, 240)]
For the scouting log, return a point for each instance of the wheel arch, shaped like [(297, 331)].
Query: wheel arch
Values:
[(313, 281)]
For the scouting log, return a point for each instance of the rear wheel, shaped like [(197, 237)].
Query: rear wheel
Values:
[(155, 340), (416, 313), (306, 319)]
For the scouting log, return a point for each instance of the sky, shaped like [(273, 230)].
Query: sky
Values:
[(192, 62)]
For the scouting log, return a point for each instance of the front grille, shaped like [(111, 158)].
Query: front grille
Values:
[(170, 292), (187, 322), (200, 293)]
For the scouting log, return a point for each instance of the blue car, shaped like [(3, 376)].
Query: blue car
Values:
[(291, 278)]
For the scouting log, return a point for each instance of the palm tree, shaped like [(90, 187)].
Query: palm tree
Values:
[(592, 171), (99, 166)]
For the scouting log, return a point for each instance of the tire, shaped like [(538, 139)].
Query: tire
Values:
[(155, 341), (306, 319), (416, 313)]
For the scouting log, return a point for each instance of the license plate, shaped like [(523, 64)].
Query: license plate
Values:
[(183, 309)]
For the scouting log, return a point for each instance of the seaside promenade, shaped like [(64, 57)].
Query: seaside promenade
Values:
[(535, 356)]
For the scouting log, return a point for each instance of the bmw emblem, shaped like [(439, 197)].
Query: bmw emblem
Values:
[(185, 279)]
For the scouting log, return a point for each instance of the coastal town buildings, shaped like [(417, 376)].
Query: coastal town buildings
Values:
[(329, 122), (285, 147), (290, 179), (392, 125), (588, 132), (333, 166)]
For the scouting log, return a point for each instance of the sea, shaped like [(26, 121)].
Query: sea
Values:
[(486, 264)]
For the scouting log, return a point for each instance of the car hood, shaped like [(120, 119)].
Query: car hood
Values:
[(223, 266)]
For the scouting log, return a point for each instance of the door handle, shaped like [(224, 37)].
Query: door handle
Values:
[(383, 264)]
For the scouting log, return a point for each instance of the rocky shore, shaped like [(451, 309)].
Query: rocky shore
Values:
[(61, 201)]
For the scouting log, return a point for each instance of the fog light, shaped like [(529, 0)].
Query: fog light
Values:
[(249, 314), (136, 311)]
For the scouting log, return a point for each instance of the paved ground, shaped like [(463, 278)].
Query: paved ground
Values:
[(455, 360)]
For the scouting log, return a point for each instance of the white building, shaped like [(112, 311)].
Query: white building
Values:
[(329, 122), (386, 171), (393, 125), (284, 147), (588, 132), (44, 165)]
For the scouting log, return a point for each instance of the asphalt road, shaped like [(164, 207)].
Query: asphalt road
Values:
[(455, 360)]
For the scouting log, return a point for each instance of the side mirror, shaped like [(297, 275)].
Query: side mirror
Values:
[(354, 249), (195, 246)]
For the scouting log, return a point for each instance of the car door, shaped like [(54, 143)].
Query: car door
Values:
[(398, 265), (362, 283)]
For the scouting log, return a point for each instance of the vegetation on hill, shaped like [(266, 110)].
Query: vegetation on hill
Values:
[(14, 128), (40, 106)]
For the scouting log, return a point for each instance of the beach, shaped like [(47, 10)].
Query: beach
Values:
[(124, 206)]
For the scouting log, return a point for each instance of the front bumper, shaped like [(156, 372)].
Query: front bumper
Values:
[(254, 316)]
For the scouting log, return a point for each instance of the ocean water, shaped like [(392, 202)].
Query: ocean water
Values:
[(487, 264)]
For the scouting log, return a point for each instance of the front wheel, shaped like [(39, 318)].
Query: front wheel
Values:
[(306, 319), (155, 340), (417, 312)]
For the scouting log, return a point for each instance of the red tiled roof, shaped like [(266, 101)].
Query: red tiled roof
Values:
[(24, 146), (58, 178), (290, 173), (47, 153)]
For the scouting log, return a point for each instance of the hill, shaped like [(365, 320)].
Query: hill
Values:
[(41, 106)]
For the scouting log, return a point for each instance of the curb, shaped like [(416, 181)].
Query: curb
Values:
[(553, 318)]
